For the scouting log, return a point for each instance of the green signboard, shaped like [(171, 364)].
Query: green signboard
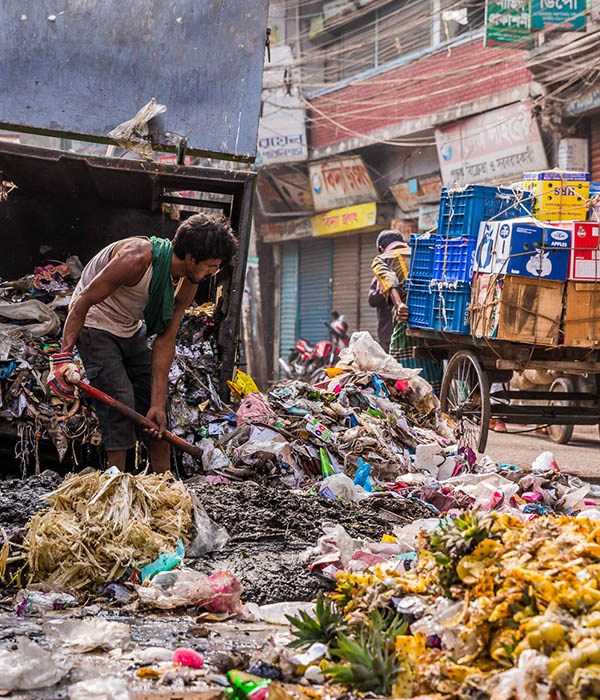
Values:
[(508, 24), (568, 15)]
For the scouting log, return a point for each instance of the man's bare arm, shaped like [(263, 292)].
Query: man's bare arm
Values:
[(163, 352), (126, 268)]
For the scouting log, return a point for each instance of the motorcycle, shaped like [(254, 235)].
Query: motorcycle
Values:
[(306, 361)]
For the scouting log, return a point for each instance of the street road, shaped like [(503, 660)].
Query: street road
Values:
[(581, 456)]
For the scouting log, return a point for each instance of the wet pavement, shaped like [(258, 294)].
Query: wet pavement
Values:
[(224, 645)]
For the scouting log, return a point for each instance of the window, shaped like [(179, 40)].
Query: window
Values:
[(352, 44), (402, 31), (373, 39)]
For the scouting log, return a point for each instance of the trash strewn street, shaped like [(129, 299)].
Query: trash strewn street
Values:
[(300, 350), (433, 571)]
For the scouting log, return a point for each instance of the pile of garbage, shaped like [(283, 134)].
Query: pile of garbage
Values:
[(372, 411), (33, 310), (490, 606), (32, 313)]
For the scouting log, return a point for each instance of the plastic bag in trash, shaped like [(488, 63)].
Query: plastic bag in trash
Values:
[(276, 613), (364, 354), (133, 133), (39, 318), (164, 562), (29, 667), (529, 681), (255, 408), (219, 592), (362, 477), (213, 458), (336, 546), (89, 634), (36, 603), (209, 537), (341, 486), (544, 463), (101, 689)]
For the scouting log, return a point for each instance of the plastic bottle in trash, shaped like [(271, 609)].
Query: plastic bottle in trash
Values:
[(244, 686), (326, 466)]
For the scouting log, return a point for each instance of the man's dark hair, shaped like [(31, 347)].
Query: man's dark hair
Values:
[(205, 236), (385, 238)]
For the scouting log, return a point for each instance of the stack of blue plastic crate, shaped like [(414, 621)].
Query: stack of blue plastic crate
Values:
[(419, 278), (439, 287)]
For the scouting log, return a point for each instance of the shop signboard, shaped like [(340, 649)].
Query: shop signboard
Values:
[(508, 24), (359, 217), (340, 183), (281, 131), (585, 102), (294, 187), (496, 145), (277, 231), (572, 154), (408, 193), (567, 15), (404, 226), (282, 126)]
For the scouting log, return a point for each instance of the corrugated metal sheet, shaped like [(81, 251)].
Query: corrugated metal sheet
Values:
[(367, 315), (289, 297), (315, 289), (595, 148), (346, 256)]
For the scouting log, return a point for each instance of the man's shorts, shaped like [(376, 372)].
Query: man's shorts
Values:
[(121, 368)]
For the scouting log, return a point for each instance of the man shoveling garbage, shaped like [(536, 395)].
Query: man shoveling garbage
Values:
[(132, 289)]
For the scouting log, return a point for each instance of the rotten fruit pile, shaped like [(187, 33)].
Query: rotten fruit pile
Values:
[(495, 607)]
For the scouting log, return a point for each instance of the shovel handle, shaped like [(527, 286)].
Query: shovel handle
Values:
[(138, 418)]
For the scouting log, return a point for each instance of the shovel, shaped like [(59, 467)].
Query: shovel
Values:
[(141, 420)]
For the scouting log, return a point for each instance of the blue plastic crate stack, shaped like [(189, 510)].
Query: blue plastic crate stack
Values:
[(442, 263)]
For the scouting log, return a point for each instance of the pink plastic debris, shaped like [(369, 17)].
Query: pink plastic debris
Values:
[(532, 496), (184, 656), (401, 385)]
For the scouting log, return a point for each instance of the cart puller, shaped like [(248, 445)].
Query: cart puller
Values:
[(132, 289), (390, 268)]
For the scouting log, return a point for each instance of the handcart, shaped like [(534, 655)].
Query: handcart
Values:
[(498, 289), (474, 364)]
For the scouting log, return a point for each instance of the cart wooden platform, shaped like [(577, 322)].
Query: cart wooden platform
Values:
[(474, 364)]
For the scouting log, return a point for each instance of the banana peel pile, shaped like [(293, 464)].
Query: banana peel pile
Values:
[(100, 525), (497, 609)]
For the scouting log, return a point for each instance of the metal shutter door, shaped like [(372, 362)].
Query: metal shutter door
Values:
[(346, 256), (289, 297), (595, 149), (315, 289), (368, 315)]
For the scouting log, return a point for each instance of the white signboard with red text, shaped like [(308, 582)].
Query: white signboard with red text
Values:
[(496, 145), (340, 183)]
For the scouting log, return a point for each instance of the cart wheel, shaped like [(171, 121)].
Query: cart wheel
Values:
[(465, 397), (561, 433)]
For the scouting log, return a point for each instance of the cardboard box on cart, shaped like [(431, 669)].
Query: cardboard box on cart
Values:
[(519, 309), (523, 247), (558, 194), (584, 263), (582, 314)]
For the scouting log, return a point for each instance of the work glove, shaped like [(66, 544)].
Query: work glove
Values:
[(64, 375)]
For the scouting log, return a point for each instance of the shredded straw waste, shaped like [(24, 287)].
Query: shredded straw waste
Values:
[(98, 525)]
